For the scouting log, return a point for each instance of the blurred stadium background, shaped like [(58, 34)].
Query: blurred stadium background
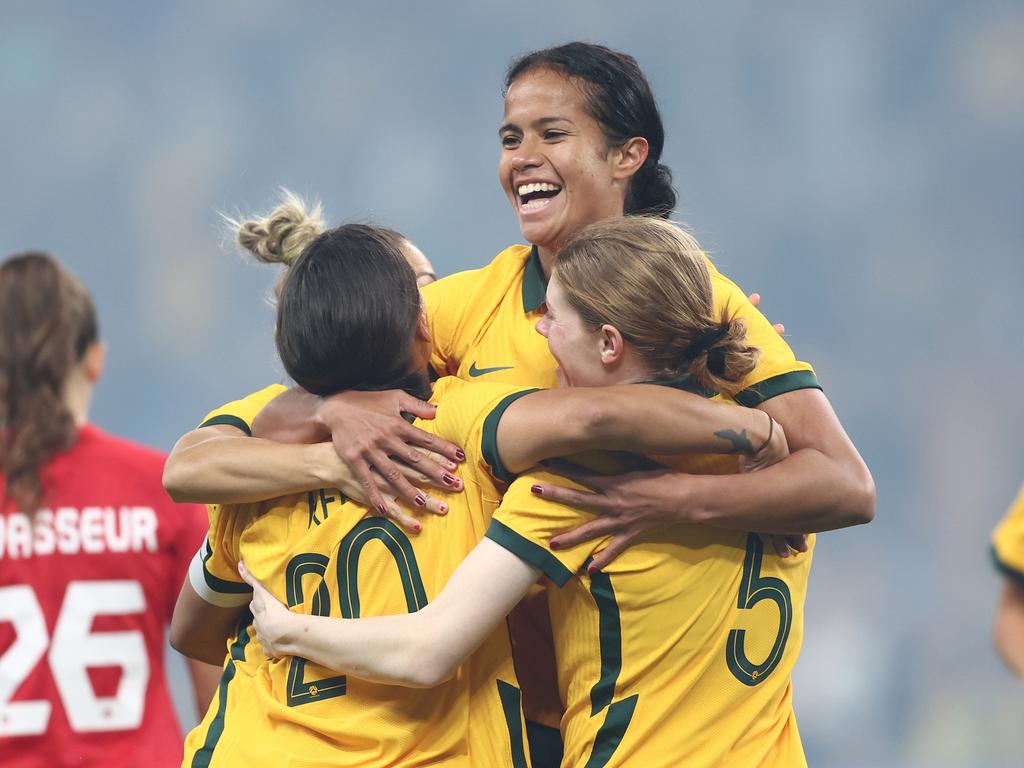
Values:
[(859, 164)]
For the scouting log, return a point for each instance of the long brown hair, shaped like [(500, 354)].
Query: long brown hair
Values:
[(47, 323), (647, 277)]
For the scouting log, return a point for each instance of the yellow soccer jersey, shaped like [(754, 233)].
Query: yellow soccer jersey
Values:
[(241, 413), (326, 556), (484, 322), (1008, 542), (681, 651)]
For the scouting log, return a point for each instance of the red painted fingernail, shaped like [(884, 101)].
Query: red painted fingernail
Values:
[(417, 527), (443, 509), (420, 501), (448, 479), (536, 489), (592, 569), (457, 485), (555, 545), (460, 454), (382, 509)]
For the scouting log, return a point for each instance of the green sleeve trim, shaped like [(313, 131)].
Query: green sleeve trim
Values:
[(528, 552), (1007, 570), (775, 386), (489, 442), (218, 584), (511, 705), (227, 419)]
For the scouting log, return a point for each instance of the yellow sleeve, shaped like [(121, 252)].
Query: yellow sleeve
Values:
[(446, 304), (524, 524), (213, 572), (241, 413), (468, 414), (1008, 541), (778, 371)]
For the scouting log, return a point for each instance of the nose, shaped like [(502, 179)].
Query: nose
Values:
[(542, 326), (526, 155)]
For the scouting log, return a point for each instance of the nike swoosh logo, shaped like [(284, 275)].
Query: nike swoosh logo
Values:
[(474, 371)]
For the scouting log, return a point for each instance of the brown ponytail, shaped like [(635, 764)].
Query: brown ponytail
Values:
[(648, 278), (47, 322)]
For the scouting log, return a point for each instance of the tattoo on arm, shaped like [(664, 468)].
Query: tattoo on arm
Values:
[(740, 442)]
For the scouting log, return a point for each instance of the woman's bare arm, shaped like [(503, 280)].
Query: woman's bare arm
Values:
[(417, 650), (1009, 627), (824, 484), (221, 465), (200, 630), (642, 418)]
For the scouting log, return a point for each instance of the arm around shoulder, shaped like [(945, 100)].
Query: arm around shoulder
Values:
[(416, 650), (812, 426)]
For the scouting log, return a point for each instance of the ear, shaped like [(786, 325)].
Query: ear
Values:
[(423, 327), (629, 158), (613, 346), (93, 361)]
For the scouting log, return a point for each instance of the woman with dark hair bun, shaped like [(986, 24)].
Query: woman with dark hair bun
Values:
[(92, 550)]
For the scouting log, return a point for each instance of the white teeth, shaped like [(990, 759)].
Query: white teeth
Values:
[(534, 205), (526, 189)]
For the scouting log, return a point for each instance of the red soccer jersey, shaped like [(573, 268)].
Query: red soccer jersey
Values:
[(85, 596)]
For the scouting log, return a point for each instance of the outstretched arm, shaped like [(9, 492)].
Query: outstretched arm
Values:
[(824, 484), (417, 650), (220, 465), (640, 418)]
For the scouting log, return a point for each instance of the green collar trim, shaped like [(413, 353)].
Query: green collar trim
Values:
[(535, 285), (685, 382)]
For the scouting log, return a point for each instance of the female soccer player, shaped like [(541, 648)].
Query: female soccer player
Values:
[(666, 658), (92, 551), (581, 141), (352, 290)]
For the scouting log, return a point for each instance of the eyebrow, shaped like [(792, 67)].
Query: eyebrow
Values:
[(539, 122)]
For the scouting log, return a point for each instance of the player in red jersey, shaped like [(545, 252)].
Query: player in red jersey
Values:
[(92, 550)]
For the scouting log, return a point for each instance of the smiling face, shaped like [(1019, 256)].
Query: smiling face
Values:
[(556, 167), (576, 348)]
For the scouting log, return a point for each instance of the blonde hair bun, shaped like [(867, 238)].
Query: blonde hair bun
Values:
[(281, 236)]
